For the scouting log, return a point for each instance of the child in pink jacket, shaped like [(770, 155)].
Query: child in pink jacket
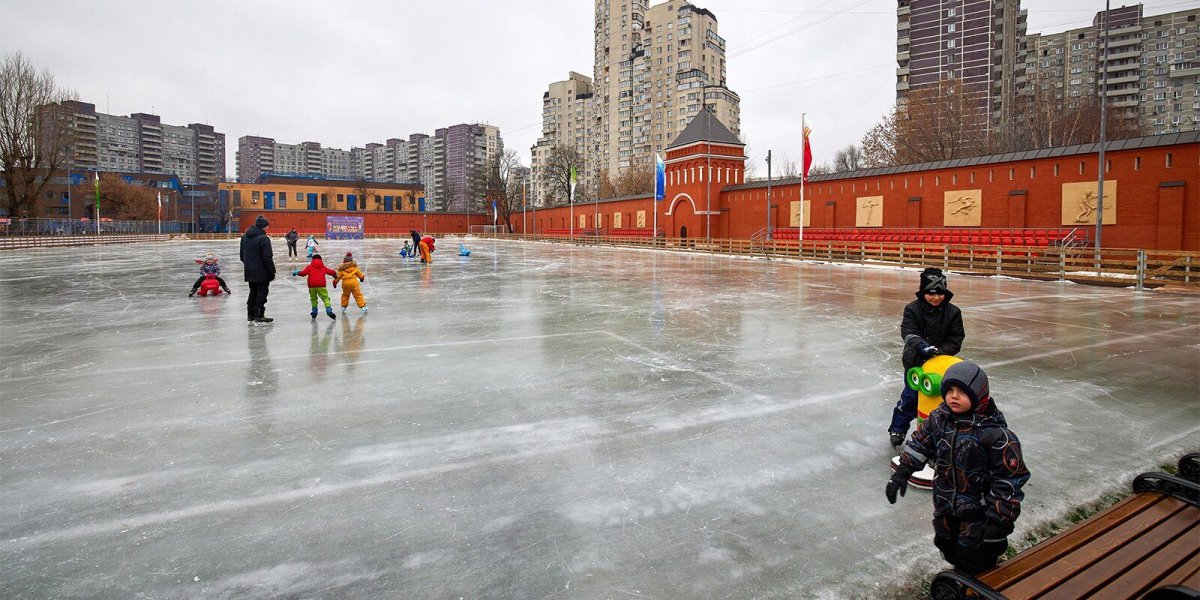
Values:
[(316, 272)]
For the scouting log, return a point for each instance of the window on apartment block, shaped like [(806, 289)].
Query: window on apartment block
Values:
[(253, 197), (282, 199), (324, 200)]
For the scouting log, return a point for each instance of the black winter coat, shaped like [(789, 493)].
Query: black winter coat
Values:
[(978, 467), (940, 326), (255, 254)]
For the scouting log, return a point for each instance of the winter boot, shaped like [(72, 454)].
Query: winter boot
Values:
[(343, 311), (263, 319), (313, 314), (191, 293), (329, 312)]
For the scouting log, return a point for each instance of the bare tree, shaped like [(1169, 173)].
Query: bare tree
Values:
[(504, 186), (819, 169), (121, 200), (941, 122), (35, 133), (558, 174), (849, 158), (790, 169), (635, 179), (879, 143), (362, 189), (1045, 119)]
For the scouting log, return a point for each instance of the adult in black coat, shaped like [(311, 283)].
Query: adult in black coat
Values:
[(931, 326), (291, 238), (416, 240), (259, 267)]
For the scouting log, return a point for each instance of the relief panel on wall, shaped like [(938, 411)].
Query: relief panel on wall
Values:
[(868, 211), (641, 218), (962, 208), (794, 213), (1079, 204), (616, 220)]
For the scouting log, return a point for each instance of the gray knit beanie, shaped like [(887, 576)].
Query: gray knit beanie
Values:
[(968, 377)]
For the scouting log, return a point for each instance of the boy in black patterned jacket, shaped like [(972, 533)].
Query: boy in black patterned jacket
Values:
[(978, 471)]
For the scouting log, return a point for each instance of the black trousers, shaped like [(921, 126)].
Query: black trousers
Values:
[(291, 249), (256, 304), (967, 555), (196, 286)]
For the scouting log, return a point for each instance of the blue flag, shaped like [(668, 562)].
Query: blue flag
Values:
[(660, 178)]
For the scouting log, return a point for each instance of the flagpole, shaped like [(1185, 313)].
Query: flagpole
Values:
[(803, 176), (654, 203), (524, 222), (97, 203), (572, 199), (158, 195)]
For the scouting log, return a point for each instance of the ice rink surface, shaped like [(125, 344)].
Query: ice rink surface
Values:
[(535, 421)]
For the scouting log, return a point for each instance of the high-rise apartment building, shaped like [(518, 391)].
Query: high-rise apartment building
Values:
[(1152, 66), (568, 122), (654, 68), (977, 43), (141, 143), (467, 149)]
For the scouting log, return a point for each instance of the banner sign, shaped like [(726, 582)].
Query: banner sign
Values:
[(343, 228)]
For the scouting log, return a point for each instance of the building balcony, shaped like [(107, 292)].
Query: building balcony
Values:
[(902, 56), (1185, 70), (1123, 55), (1121, 92), (1125, 30), (1124, 79), (903, 25), (1124, 103), (900, 71), (901, 86), (1133, 41)]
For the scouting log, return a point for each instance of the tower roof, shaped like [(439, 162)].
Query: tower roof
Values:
[(705, 127)]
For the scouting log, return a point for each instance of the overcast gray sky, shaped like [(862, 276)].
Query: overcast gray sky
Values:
[(357, 71)]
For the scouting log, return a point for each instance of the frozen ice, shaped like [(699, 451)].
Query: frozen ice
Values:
[(535, 420)]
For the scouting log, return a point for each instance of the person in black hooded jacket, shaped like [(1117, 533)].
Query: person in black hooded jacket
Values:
[(979, 471), (259, 268), (931, 326)]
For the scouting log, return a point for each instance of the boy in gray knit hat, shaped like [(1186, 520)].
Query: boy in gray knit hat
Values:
[(979, 471)]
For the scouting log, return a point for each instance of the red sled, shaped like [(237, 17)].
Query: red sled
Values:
[(210, 285)]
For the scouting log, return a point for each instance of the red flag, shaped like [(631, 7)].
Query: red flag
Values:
[(807, 153)]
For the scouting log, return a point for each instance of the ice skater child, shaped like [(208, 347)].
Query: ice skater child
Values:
[(407, 250), (208, 265), (931, 325), (348, 274), (316, 272), (310, 246), (978, 471)]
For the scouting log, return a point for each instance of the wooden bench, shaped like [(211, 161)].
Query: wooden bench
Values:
[(1145, 546)]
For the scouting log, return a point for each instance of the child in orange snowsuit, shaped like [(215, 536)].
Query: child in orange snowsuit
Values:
[(426, 247), (316, 272), (348, 274)]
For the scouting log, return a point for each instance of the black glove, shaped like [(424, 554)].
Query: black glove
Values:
[(897, 483), (995, 531), (930, 350)]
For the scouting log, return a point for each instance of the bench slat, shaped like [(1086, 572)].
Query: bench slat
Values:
[(1145, 574), (1062, 544), (1049, 574), (1188, 573)]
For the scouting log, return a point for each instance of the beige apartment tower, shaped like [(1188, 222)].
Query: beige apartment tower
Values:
[(655, 67)]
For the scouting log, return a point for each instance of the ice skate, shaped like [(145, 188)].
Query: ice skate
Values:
[(364, 311), (329, 312), (313, 314)]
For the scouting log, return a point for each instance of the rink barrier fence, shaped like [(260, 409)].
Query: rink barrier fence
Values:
[(1124, 267)]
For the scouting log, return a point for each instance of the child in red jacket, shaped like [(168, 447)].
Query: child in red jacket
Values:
[(316, 272)]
